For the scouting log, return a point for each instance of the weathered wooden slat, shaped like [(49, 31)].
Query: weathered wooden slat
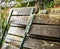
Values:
[(16, 43), (41, 44), (39, 18), (47, 19), (19, 20), (16, 31), (13, 38), (18, 25), (22, 11), (45, 30), (9, 46), (38, 44)]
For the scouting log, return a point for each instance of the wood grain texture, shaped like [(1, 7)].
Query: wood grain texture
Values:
[(47, 19), (41, 44), (22, 11), (39, 18), (9, 46), (16, 31), (45, 30), (13, 38), (19, 20), (15, 43)]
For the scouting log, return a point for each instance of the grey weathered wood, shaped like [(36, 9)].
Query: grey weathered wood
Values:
[(13, 42), (13, 38), (19, 20), (22, 11), (39, 18), (37, 44), (9, 46), (47, 19), (16, 31), (41, 44), (18, 25), (45, 30)]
